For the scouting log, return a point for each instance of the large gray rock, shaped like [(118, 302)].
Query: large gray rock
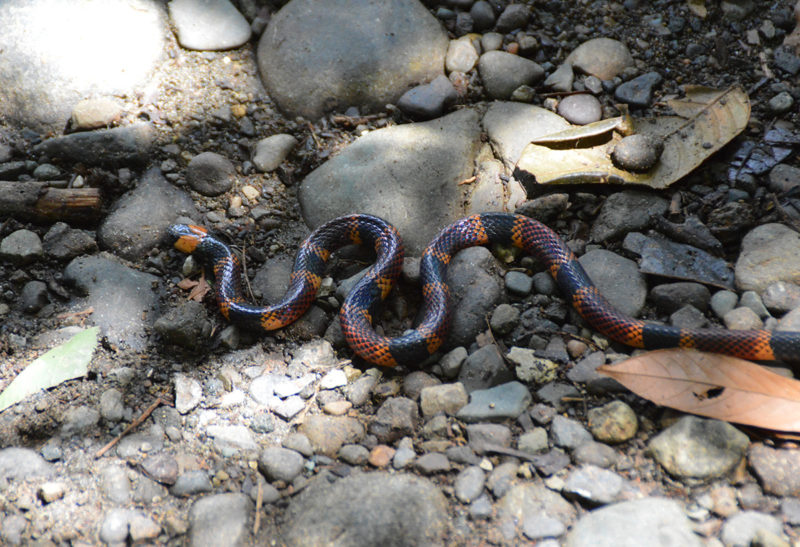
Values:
[(380, 509), (407, 175), (141, 216), (46, 68), (123, 300), (319, 55)]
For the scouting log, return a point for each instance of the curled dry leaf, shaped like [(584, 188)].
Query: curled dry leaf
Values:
[(707, 120), (712, 385), (197, 289)]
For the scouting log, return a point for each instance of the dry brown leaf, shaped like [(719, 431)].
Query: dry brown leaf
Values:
[(712, 385), (197, 289), (712, 118)]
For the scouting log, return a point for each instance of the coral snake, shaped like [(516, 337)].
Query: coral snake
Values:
[(413, 347)]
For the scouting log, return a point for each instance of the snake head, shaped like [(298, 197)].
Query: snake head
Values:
[(186, 237)]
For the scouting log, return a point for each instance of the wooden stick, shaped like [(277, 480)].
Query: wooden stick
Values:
[(133, 424), (39, 202)]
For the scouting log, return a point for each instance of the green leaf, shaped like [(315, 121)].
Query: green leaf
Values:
[(65, 362)]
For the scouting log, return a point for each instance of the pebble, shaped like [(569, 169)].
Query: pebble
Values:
[(723, 302), (483, 369), (504, 318), (269, 153), (431, 463), (408, 47), (750, 299), (396, 417), (484, 436), (769, 253), (333, 379), (229, 439), (383, 455), (568, 433), (209, 24), (593, 485), (354, 454), (503, 72), (191, 483), (618, 280), (399, 506), (299, 443), (525, 499), (580, 109), (188, 393), (602, 57), (445, 398), (781, 103), (501, 478), (162, 468), (185, 325), (697, 449), (506, 401), (51, 491), (115, 484), (742, 319), (614, 422), (532, 369), (219, 520), (21, 247), (688, 317), (638, 92), (533, 441), (518, 283), (784, 177), (64, 243), (33, 297), (416, 381), (461, 55), (514, 16), (670, 297), (404, 455), (775, 469), (79, 420), (542, 526), (594, 453), (210, 174), (112, 408), (130, 144), (95, 113), (625, 212), (637, 153), (743, 528), (428, 101), (633, 523), (468, 484), (781, 297), (327, 434)]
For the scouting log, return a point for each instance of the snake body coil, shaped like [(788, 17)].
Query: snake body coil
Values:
[(415, 346)]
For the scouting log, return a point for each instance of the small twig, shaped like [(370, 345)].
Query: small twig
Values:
[(314, 135), (259, 503), (132, 425), (82, 313)]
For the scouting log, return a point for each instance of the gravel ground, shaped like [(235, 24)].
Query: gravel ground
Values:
[(288, 439)]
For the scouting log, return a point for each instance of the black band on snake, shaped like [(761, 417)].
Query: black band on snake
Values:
[(415, 346)]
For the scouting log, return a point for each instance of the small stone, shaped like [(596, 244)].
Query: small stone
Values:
[(354, 454), (742, 319), (781, 103), (530, 368), (270, 152), (278, 463), (51, 491), (333, 379), (468, 484), (210, 174), (723, 301), (96, 113), (111, 406), (188, 393), (518, 283), (593, 485), (445, 398), (568, 433), (614, 422), (382, 455), (498, 403), (580, 109), (432, 463), (21, 247), (191, 483), (533, 441), (504, 318), (637, 153)]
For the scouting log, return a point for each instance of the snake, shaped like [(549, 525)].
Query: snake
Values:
[(415, 346)]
